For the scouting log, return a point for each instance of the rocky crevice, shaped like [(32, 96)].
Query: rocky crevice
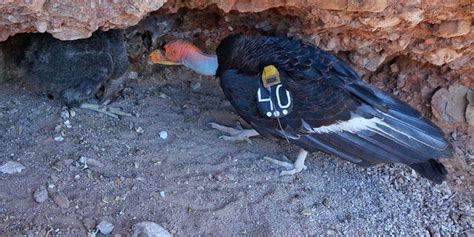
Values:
[(421, 51)]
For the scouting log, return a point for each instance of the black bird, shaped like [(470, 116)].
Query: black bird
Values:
[(74, 71), (288, 89)]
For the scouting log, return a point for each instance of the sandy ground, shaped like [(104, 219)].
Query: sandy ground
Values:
[(192, 183)]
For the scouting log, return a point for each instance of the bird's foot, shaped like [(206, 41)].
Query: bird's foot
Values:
[(293, 168), (235, 134), (113, 88), (105, 109)]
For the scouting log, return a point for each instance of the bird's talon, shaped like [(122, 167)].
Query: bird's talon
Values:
[(235, 134), (292, 168)]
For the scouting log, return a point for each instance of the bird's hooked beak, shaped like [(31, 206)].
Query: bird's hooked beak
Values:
[(158, 57)]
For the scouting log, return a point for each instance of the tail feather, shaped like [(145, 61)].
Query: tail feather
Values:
[(432, 170)]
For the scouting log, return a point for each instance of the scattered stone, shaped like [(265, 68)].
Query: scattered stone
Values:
[(307, 212), (162, 194), (72, 113), (67, 124), (12, 167), (90, 162), (149, 229), (105, 227), (61, 200), (132, 75), (163, 135), (140, 130), (41, 194), (65, 114), (59, 138), (195, 86)]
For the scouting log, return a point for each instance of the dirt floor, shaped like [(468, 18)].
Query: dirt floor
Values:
[(193, 183)]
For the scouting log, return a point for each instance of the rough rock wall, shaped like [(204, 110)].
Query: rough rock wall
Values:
[(439, 32), (71, 19), (375, 31), (376, 36)]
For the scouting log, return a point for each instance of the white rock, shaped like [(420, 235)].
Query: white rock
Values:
[(41, 194), (59, 138), (139, 130), (12, 167), (105, 227), (149, 229), (67, 124), (90, 162), (163, 135)]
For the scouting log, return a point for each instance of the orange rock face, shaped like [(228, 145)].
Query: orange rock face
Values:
[(438, 32), (69, 19)]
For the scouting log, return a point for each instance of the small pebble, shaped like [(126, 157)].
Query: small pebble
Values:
[(90, 162), (59, 138), (162, 194), (61, 200), (77, 177), (139, 130), (41, 194), (307, 212), (72, 113), (195, 86), (163, 135), (105, 227), (67, 124), (12, 167), (65, 114), (132, 75), (148, 228)]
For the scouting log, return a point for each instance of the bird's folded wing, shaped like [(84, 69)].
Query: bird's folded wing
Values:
[(339, 114)]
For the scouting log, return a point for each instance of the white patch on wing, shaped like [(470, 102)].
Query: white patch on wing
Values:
[(353, 125)]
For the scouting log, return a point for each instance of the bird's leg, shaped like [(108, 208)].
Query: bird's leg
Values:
[(112, 88), (105, 109), (236, 134), (294, 168)]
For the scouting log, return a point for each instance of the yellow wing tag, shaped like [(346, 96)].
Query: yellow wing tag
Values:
[(270, 76), (273, 100)]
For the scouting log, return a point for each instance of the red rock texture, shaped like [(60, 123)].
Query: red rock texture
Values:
[(374, 31), (370, 34)]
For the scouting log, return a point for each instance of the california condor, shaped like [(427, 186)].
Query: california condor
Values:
[(291, 90)]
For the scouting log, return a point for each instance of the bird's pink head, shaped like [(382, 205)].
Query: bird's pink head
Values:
[(180, 52)]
